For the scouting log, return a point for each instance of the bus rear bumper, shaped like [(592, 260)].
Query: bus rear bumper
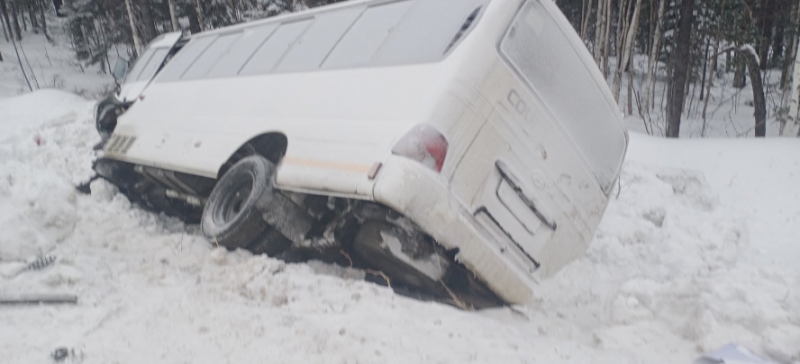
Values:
[(420, 195)]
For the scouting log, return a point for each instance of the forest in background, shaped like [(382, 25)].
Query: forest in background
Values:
[(686, 44)]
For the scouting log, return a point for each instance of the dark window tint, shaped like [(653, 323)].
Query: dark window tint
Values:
[(241, 51), (317, 42), (218, 49), (271, 52), (367, 35), (147, 65), (427, 30), (185, 58)]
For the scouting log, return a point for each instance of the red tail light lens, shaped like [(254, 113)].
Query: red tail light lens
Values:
[(423, 144)]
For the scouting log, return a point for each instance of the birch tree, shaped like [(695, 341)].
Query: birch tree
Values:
[(791, 95), (586, 18), (790, 122), (598, 31), (137, 43), (629, 39), (713, 67), (607, 35), (652, 61), (199, 7), (173, 18)]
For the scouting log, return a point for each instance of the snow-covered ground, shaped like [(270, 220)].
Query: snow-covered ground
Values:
[(729, 113), (699, 249), (51, 66)]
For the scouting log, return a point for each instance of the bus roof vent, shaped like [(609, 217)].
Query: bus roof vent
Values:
[(464, 28)]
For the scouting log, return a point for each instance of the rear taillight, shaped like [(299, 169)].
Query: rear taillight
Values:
[(423, 144)]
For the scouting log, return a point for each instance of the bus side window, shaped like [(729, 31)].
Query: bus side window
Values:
[(271, 52), (203, 65), (365, 37), (185, 58), (236, 57), (310, 50)]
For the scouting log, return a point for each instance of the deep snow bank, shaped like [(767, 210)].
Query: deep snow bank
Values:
[(33, 110), (698, 250), (41, 145)]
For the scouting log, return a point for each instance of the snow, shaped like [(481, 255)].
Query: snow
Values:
[(433, 267), (52, 66), (749, 48), (730, 110), (62, 107), (698, 250)]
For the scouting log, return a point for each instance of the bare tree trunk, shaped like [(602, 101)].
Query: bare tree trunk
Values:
[(19, 15), (728, 61), (765, 22), (739, 75), (630, 88), (713, 67), (748, 54), (599, 26), (623, 15), (200, 20), (4, 10), (787, 69), (137, 43), (791, 120), (149, 26), (194, 23), (607, 43), (3, 25), (44, 20), (15, 22), (587, 16), (629, 40), (681, 66), (32, 17), (172, 16), (653, 59), (783, 18), (6, 21), (705, 71)]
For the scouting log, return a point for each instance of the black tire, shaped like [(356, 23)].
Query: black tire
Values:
[(233, 213)]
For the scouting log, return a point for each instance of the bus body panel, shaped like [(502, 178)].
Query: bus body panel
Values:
[(516, 195)]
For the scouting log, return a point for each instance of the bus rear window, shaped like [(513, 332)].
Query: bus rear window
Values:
[(538, 49)]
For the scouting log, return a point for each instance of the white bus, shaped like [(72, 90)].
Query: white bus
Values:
[(437, 141)]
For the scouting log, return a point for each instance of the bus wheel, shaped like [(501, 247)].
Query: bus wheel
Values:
[(233, 213)]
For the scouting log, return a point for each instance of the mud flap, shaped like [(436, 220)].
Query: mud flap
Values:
[(286, 217)]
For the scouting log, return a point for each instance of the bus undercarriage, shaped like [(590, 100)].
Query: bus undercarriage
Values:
[(297, 227)]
